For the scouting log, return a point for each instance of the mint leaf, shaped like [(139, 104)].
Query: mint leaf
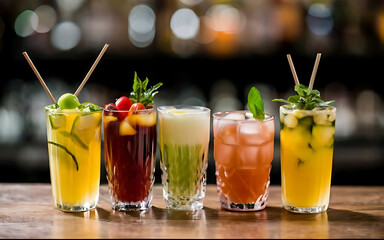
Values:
[(305, 99), (255, 104), (140, 94)]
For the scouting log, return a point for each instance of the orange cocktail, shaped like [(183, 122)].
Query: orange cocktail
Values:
[(243, 152)]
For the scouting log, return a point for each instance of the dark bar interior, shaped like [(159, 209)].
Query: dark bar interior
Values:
[(206, 53)]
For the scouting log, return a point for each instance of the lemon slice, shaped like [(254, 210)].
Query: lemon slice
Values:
[(177, 111)]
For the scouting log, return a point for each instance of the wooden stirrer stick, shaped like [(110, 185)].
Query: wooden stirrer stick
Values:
[(293, 70), (311, 82), (91, 70), (39, 77)]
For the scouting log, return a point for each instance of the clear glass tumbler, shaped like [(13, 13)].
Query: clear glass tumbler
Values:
[(74, 148), (130, 140), (184, 142), (243, 152), (306, 141)]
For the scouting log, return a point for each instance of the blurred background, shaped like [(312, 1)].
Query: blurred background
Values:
[(207, 53)]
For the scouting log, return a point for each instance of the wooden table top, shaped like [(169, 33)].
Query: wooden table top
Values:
[(27, 211)]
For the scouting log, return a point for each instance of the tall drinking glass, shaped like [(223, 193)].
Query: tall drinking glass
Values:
[(243, 151), (130, 157), (74, 148), (306, 139), (184, 139)]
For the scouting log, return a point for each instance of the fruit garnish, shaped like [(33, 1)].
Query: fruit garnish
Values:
[(255, 104), (68, 101), (140, 93), (177, 111), (144, 119), (306, 99), (67, 151), (123, 103), (126, 128), (83, 128), (56, 120), (110, 106), (136, 107), (108, 119)]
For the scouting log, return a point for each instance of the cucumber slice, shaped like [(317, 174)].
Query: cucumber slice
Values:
[(57, 120), (67, 151)]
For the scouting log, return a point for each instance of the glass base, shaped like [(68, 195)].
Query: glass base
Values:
[(184, 203), (306, 209), (260, 204), (189, 206), (131, 206), (70, 208)]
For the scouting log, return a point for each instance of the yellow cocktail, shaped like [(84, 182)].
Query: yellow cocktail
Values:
[(306, 138), (74, 144)]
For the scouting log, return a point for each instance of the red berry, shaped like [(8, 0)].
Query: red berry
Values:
[(110, 106), (137, 106), (123, 103)]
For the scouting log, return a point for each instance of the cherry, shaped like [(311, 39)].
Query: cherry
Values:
[(136, 106), (123, 103), (110, 106)]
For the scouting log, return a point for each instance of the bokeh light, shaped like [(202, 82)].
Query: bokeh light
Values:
[(319, 19), (26, 23), (47, 18), (141, 25), (185, 24), (65, 35), (225, 18)]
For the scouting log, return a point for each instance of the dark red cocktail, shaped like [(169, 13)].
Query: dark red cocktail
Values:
[(130, 157)]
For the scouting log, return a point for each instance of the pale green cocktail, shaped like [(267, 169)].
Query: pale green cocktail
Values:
[(184, 139)]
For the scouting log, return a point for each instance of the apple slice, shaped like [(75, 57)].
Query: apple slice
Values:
[(143, 119), (125, 128)]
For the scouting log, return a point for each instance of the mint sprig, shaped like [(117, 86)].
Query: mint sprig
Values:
[(306, 99), (140, 93), (255, 104)]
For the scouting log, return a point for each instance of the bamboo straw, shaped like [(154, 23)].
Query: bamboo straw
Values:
[(39, 77), (91, 70), (293, 69), (312, 81)]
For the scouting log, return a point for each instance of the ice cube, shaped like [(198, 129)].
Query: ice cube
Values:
[(290, 121), (321, 119), (235, 116), (226, 131), (248, 156), (332, 117), (249, 116), (225, 154), (250, 133)]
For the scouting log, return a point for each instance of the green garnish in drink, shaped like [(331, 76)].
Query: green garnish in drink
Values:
[(306, 99), (255, 104), (140, 93)]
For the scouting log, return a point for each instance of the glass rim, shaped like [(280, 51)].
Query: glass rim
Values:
[(70, 111), (127, 111), (319, 109), (220, 116), (163, 109)]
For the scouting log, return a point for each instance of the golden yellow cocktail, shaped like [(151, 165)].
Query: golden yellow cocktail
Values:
[(306, 138), (74, 144)]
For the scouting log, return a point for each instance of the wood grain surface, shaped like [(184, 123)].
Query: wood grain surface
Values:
[(27, 211)]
